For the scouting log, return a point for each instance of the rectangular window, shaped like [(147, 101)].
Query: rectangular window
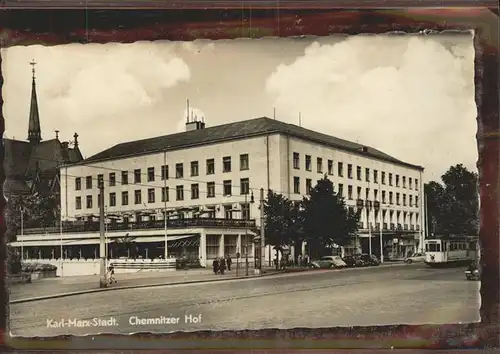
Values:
[(383, 197), (137, 196), (319, 164), (179, 192), (383, 177), (404, 199), (308, 163), (194, 169), (151, 195), (359, 192), (416, 201), (308, 185), (330, 167), (349, 192), (89, 202), (341, 190), (397, 198), (416, 184), (390, 179), (112, 199), (404, 182), (358, 173), (210, 189), (228, 212), (244, 186), (195, 191), (137, 176), (213, 246), (88, 182), (340, 167), (78, 184), (124, 177), (226, 164), (100, 179), (210, 166), (112, 179), (390, 198), (397, 180), (244, 162), (124, 198), (411, 200), (296, 160), (164, 172), (179, 170), (245, 211), (296, 185), (164, 194), (367, 174), (151, 174), (349, 171), (227, 188), (410, 184), (78, 203), (375, 194), (367, 193), (375, 176)]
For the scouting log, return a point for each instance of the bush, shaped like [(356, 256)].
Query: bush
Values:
[(37, 267)]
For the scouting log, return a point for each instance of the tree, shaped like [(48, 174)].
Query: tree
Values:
[(39, 210), (327, 220), (453, 206), (279, 222)]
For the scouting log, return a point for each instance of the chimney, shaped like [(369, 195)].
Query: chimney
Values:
[(195, 124), (75, 142), (364, 149)]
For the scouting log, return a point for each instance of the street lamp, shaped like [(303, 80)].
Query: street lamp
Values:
[(247, 219)]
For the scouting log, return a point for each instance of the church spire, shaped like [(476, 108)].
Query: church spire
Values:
[(34, 130)]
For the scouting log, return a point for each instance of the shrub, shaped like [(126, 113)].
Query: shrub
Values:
[(37, 267)]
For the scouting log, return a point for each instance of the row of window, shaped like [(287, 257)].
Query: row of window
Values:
[(412, 182), (179, 194), (179, 172), (350, 189)]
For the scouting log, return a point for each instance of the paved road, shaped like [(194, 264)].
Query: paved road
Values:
[(410, 294)]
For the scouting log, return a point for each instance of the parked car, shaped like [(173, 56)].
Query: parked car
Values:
[(353, 261), (369, 259), (417, 257), (329, 262)]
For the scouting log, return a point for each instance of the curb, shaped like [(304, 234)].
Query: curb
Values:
[(155, 285)]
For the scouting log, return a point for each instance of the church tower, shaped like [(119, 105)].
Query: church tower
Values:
[(34, 130)]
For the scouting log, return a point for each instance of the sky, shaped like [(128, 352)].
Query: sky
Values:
[(409, 96)]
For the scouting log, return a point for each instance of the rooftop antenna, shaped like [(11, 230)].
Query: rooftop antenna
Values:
[(187, 110), (300, 119), (274, 113)]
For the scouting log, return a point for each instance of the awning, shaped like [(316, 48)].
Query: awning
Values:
[(109, 240), (193, 241)]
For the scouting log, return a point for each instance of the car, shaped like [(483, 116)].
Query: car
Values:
[(329, 262), (417, 257), (369, 259), (353, 261)]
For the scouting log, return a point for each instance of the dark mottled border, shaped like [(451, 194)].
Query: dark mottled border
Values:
[(52, 27)]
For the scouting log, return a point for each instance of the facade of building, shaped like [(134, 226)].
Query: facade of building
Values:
[(208, 180)]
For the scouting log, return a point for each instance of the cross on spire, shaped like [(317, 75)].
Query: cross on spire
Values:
[(33, 63)]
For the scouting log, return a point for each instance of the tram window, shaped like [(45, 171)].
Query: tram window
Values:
[(433, 247)]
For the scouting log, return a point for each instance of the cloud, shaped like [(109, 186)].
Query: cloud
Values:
[(412, 98), (92, 81), (194, 114)]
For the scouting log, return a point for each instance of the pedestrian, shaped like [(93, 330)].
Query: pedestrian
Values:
[(215, 265), (299, 260), (222, 265), (111, 274), (306, 260), (229, 261)]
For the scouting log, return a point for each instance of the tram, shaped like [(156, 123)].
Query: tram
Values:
[(451, 252)]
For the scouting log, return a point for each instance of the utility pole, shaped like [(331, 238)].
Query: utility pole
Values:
[(102, 246), (262, 230), (246, 236)]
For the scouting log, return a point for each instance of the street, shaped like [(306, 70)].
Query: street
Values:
[(405, 294)]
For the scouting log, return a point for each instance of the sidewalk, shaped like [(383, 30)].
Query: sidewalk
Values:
[(55, 286)]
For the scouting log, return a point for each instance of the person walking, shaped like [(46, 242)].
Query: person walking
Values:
[(111, 274), (215, 265), (299, 260), (229, 261)]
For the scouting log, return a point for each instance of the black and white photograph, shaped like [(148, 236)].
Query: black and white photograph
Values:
[(241, 184)]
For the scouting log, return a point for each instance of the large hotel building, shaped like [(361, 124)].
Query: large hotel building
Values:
[(208, 180)]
